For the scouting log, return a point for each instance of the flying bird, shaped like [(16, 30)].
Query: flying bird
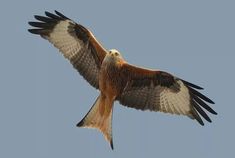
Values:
[(116, 79)]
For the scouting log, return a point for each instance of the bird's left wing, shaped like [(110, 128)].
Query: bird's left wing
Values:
[(74, 41), (160, 91)]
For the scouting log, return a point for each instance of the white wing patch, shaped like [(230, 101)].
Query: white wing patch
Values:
[(67, 44), (159, 98), (175, 103)]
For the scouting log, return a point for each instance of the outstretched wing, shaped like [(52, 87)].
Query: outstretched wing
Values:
[(160, 91), (74, 41)]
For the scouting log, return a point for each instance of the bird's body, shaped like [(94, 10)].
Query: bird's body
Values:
[(109, 80), (110, 85), (118, 80)]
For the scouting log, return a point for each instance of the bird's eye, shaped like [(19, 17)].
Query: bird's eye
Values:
[(116, 54)]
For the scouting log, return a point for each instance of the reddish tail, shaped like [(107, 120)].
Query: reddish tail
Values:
[(100, 117)]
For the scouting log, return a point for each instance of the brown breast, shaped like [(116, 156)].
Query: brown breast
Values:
[(110, 80)]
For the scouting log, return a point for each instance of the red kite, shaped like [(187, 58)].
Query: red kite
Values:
[(116, 79)]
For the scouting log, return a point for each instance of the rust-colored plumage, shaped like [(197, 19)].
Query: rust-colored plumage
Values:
[(107, 71)]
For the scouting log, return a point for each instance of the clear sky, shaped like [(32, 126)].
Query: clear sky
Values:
[(43, 97)]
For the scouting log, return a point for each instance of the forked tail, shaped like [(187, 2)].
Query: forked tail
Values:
[(100, 117)]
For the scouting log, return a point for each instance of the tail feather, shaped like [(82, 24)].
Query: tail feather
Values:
[(100, 117)]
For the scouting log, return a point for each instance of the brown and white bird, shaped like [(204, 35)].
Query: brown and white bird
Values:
[(116, 79)]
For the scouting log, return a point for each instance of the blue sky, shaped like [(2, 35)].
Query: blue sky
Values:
[(43, 97)]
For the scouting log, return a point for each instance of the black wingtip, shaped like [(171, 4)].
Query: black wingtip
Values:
[(34, 31), (46, 12), (208, 100), (200, 111), (32, 23), (212, 102), (199, 120), (30, 30), (202, 123), (192, 85), (37, 16), (204, 105), (53, 16), (57, 12), (62, 15), (198, 94)]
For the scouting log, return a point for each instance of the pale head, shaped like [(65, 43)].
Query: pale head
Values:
[(113, 56), (115, 53)]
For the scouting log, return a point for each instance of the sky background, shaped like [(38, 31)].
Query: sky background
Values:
[(42, 97)]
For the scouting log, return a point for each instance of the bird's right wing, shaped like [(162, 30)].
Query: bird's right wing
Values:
[(74, 41)]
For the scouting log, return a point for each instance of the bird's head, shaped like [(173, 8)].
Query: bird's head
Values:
[(115, 56), (115, 53)]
